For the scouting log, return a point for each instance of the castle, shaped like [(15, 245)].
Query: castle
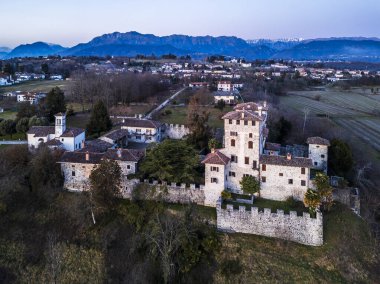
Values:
[(282, 172)]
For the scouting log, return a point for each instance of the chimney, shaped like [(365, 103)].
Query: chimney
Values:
[(87, 156), (265, 103), (213, 150), (289, 156), (83, 145), (260, 109), (242, 114), (118, 153)]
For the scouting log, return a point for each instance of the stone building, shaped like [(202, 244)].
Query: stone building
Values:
[(282, 171), (76, 166)]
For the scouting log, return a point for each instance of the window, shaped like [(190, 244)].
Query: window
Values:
[(232, 142), (230, 121), (232, 133), (250, 135), (234, 159), (138, 137), (246, 160), (237, 122), (254, 164), (263, 179), (322, 156), (263, 168), (303, 171), (290, 181), (214, 180), (73, 173), (138, 130), (253, 123), (215, 169), (62, 139), (315, 163), (250, 145), (303, 182), (245, 122), (246, 175), (281, 174), (232, 174), (128, 167)]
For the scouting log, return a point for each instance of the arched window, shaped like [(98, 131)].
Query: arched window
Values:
[(250, 145), (233, 142)]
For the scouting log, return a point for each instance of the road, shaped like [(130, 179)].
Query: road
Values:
[(164, 104), (13, 142)]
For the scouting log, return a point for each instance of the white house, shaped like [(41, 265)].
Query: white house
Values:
[(32, 98), (227, 97), (58, 136), (227, 86), (143, 130)]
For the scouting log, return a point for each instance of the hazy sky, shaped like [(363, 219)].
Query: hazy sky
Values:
[(69, 22)]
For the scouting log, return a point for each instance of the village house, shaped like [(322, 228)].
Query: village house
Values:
[(32, 98), (142, 130), (77, 166), (228, 97), (56, 137), (227, 86)]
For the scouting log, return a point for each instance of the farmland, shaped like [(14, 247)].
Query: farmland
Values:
[(36, 86), (355, 110)]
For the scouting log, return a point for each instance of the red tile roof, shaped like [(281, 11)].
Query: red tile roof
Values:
[(318, 141), (283, 161), (216, 158)]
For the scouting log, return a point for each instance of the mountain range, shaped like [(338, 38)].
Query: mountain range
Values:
[(133, 43)]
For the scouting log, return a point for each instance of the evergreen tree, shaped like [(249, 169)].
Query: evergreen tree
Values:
[(340, 158), (250, 185), (99, 120), (7, 127), (22, 125), (55, 103)]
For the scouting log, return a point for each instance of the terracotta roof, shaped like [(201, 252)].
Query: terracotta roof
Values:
[(80, 158), (283, 161), (72, 132), (54, 142), (242, 115), (96, 146), (133, 155), (272, 146), (116, 134), (41, 131), (216, 158), (318, 141), (250, 106), (144, 123)]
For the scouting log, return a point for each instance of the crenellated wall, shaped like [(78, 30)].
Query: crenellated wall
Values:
[(176, 131), (300, 229), (169, 192)]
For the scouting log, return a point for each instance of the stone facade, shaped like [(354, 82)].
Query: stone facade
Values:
[(319, 156), (76, 176), (214, 183), (281, 182), (175, 131), (300, 229)]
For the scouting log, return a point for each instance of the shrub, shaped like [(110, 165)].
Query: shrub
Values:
[(226, 195)]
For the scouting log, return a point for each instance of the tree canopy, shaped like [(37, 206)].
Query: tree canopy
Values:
[(172, 161), (250, 185), (99, 120), (340, 158), (55, 102)]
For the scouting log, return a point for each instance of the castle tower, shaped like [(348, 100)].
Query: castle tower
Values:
[(60, 124), (318, 152), (244, 139)]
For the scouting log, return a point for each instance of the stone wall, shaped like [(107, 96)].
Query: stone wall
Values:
[(175, 131), (169, 192), (300, 229)]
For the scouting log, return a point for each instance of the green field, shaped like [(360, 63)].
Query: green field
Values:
[(355, 110), (8, 115), (34, 86), (179, 115)]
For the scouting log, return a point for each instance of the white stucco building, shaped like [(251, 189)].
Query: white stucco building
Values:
[(143, 130), (58, 136)]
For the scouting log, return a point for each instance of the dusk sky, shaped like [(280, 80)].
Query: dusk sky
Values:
[(70, 22)]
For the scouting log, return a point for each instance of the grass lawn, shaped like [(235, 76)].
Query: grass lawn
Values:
[(179, 115), (16, 136), (8, 114), (262, 203), (33, 86)]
